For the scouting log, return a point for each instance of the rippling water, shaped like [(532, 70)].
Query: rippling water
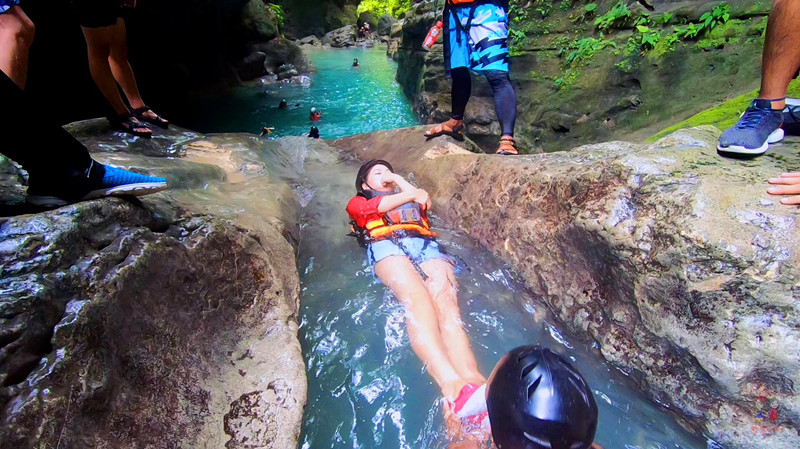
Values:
[(352, 100)]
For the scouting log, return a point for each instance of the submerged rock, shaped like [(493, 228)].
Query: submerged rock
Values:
[(144, 323), (674, 260)]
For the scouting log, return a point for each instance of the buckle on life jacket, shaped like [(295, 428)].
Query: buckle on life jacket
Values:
[(404, 215)]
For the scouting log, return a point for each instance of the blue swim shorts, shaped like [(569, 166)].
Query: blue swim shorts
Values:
[(486, 45), (5, 5), (419, 249)]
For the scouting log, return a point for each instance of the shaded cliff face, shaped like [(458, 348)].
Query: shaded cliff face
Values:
[(675, 261), (170, 321), (175, 48), (578, 82)]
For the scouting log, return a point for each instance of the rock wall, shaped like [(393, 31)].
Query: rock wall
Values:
[(165, 322), (577, 85), (675, 261)]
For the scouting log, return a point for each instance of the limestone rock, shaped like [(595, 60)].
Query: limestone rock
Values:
[(133, 324), (340, 37), (310, 40), (674, 260), (281, 51), (259, 21), (385, 24), (252, 66)]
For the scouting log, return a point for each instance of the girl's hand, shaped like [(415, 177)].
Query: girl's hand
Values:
[(423, 199), (389, 179)]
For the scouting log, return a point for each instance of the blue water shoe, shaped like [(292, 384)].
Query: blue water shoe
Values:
[(758, 127), (111, 182)]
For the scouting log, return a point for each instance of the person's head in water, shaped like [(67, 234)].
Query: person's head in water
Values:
[(538, 400), (282, 104), (313, 132), (355, 62), (370, 178)]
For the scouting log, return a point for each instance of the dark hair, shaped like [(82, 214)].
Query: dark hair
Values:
[(361, 177), (538, 400)]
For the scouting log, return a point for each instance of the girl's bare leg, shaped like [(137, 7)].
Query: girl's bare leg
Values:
[(443, 288), (397, 273)]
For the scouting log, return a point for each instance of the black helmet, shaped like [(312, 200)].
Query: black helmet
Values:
[(364, 171), (538, 400)]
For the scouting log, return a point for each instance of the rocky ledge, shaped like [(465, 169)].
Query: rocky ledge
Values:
[(165, 322), (674, 260)]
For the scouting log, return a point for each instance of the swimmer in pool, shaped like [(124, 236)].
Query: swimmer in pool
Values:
[(389, 216)]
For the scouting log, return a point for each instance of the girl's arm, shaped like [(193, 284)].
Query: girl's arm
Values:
[(408, 193)]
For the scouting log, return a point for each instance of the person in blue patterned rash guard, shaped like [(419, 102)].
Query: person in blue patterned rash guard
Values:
[(476, 39)]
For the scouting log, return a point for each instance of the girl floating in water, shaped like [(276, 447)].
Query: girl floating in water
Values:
[(390, 218)]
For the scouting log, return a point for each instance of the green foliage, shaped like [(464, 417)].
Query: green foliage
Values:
[(720, 14), (666, 17), (278, 14), (588, 11), (567, 79), (583, 50), (382, 7), (616, 17), (543, 7), (516, 12), (517, 38)]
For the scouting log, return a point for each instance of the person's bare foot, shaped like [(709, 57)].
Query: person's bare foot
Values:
[(786, 184)]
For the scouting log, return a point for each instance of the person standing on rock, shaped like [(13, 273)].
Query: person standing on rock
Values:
[(476, 39), (761, 123), (60, 170), (389, 216), (106, 42)]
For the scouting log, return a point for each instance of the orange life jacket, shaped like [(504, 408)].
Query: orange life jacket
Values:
[(407, 219)]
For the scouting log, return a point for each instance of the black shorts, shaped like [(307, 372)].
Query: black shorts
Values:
[(97, 13)]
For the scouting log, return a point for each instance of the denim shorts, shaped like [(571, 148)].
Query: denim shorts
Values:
[(419, 249), (5, 5)]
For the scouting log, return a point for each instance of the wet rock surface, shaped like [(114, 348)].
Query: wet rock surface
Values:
[(143, 323), (673, 259), (340, 37)]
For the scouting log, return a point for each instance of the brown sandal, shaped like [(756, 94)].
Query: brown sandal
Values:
[(445, 129), (508, 146)]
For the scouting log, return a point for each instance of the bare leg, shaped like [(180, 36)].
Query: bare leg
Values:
[(443, 288), (16, 36), (98, 43), (397, 273), (120, 67), (781, 56)]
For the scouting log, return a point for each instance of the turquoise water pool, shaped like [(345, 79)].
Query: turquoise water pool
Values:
[(352, 100)]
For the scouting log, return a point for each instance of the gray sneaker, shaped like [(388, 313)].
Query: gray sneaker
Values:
[(758, 127)]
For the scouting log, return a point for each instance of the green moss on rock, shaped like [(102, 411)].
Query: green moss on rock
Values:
[(723, 116)]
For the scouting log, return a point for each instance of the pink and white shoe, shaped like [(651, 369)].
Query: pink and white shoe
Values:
[(470, 405)]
